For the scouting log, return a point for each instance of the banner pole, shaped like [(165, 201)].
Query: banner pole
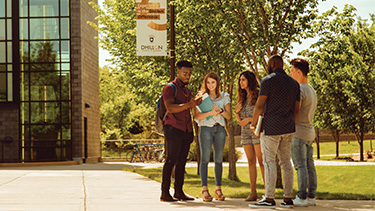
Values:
[(172, 47)]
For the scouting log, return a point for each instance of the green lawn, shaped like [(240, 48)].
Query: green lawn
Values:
[(327, 148), (334, 182)]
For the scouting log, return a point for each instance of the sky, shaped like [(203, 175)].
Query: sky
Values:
[(364, 8)]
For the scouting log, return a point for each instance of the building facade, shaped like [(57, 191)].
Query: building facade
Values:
[(49, 81)]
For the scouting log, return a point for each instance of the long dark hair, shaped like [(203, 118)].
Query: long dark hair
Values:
[(252, 84)]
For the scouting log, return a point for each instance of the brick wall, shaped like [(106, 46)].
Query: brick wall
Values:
[(9, 124), (85, 80)]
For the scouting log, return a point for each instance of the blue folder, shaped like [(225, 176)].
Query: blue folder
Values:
[(206, 105)]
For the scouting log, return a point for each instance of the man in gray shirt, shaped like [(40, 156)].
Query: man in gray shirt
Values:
[(303, 138)]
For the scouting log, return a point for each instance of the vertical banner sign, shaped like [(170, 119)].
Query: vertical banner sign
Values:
[(151, 27)]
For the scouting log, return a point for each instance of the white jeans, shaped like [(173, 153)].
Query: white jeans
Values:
[(272, 146)]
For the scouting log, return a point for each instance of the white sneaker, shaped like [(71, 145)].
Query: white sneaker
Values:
[(311, 201), (300, 202)]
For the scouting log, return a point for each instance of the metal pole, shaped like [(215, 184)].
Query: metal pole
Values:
[(172, 53)]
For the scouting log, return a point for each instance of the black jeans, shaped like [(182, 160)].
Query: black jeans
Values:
[(178, 145)]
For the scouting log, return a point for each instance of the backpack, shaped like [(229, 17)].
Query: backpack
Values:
[(161, 113)]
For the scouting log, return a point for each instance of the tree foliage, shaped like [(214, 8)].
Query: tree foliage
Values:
[(229, 37), (223, 36), (343, 72)]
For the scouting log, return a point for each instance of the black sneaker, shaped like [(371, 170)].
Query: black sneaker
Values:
[(287, 204), (263, 203)]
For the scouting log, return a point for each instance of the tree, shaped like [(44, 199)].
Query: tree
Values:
[(229, 37), (265, 28), (343, 71)]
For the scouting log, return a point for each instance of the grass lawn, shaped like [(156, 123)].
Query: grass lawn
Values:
[(334, 182), (329, 148)]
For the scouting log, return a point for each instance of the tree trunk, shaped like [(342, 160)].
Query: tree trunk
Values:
[(232, 174), (231, 151), (361, 139), (361, 147), (317, 143), (336, 136), (197, 147)]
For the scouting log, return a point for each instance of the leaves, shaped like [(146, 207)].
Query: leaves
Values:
[(343, 72)]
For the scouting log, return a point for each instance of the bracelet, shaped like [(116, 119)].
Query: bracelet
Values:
[(222, 110)]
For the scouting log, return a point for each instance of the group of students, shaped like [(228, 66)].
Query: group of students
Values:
[(287, 104)]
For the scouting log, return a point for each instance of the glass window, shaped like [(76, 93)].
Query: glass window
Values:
[(65, 85), (45, 112), (10, 55), (25, 84), (66, 134), (65, 66), (42, 132), (45, 86), (2, 8), (64, 28), (10, 87), (25, 112), (24, 8), (2, 29), (10, 68), (3, 84), (44, 8), (3, 68), (65, 107), (64, 7), (24, 52), (2, 52), (9, 29), (9, 8), (65, 52), (44, 28), (24, 29), (44, 51)]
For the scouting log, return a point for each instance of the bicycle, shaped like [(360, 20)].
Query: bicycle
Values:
[(135, 155)]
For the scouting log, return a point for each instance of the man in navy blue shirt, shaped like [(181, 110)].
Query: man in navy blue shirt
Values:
[(278, 101)]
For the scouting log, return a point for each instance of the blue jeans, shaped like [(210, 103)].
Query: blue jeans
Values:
[(209, 136), (302, 156)]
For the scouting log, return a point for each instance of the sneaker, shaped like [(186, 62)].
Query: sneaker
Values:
[(263, 203), (311, 201), (300, 202), (287, 204)]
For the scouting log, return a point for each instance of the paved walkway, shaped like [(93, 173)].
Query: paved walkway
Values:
[(104, 187)]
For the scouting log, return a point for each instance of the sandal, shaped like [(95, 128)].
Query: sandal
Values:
[(219, 195), (206, 195)]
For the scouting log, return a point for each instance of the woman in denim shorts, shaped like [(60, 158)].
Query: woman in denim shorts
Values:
[(212, 132), (247, 97)]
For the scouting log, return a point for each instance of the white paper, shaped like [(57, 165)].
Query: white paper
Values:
[(259, 126)]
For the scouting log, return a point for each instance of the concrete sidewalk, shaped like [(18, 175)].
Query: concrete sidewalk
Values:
[(104, 187)]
